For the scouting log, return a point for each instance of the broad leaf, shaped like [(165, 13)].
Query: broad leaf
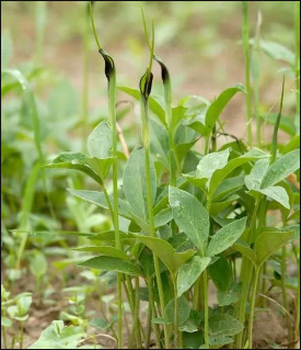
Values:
[(105, 263), (105, 251), (154, 106), (224, 325), (226, 237), (211, 162), (190, 216), (269, 242), (221, 274), (281, 168), (189, 273), (216, 107), (100, 141), (134, 183), (183, 310), (220, 174), (254, 179), (277, 194)]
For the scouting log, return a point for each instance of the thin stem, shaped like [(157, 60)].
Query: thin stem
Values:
[(85, 91), (22, 334), (146, 141), (255, 73), (284, 291), (206, 309), (297, 315), (176, 316), (274, 144), (245, 37), (136, 316), (153, 311), (4, 337), (297, 57), (252, 307)]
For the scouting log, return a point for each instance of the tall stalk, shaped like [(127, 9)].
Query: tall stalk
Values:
[(145, 89), (245, 37), (85, 90), (110, 73), (297, 57), (252, 307), (255, 73)]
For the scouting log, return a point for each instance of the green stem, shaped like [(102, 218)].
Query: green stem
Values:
[(136, 316), (22, 334), (297, 57), (206, 309), (214, 144), (284, 291), (146, 142), (176, 315), (297, 315), (4, 337), (252, 307), (85, 91), (245, 37), (153, 311), (255, 71)]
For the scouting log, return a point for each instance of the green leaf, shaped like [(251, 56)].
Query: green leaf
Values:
[(58, 336), (226, 237), (38, 264), (224, 325), (134, 183), (281, 168), (105, 263), (254, 179), (100, 141), (221, 274), (101, 166), (154, 106), (161, 248), (74, 160), (159, 142), (183, 310), (220, 341), (277, 51), (190, 216), (105, 251), (216, 107), (277, 194), (269, 242), (228, 186), (245, 250), (220, 174), (163, 217), (217, 208), (6, 322), (229, 297), (291, 145), (189, 273), (286, 124), (180, 258), (211, 162)]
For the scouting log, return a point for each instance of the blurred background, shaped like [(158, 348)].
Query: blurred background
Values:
[(48, 47)]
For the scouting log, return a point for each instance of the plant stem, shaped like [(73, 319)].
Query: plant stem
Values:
[(206, 309), (153, 311), (284, 292), (297, 57), (252, 307), (136, 316), (297, 315), (245, 37), (22, 334), (146, 142), (255, 71), (4, 337), (85, 91)]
